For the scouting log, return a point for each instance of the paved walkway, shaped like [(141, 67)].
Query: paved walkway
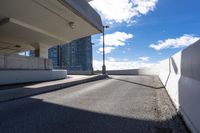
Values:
[(120, 104), (12, 92)]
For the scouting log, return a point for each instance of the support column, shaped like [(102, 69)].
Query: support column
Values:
[(41, 50)]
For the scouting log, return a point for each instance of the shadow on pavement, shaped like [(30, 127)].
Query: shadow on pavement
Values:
[(137, 83), (14, 92), (37, 116)]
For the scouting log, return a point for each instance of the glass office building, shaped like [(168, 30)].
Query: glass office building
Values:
[(75, 56)]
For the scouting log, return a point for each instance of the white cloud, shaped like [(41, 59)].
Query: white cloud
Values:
[(121, 65), (107, 50), (145, 59), (111, 59), (123, 10), (125, 59), (144, 6), (182, 41), (116, 39)]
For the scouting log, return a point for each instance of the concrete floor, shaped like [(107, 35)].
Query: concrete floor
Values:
[(120, 104)]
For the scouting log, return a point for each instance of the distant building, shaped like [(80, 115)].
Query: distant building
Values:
[(32, 53), (75, 56)]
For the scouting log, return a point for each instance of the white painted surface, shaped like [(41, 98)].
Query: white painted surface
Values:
[(181, 76), (24, 76)]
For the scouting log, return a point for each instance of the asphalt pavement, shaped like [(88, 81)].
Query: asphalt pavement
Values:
[(120, 104)]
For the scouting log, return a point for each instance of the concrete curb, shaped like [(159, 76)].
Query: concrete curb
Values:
[(18, 93)]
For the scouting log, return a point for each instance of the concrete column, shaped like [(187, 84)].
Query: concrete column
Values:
[(41, 50)]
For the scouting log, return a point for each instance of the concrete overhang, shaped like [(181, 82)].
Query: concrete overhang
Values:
[(50, 22), (84, 10)]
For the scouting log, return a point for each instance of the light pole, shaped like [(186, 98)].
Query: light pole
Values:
[(104, 66)]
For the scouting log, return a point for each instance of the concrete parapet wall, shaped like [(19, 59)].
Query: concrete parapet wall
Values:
[(48, 64), (181, 76), (24, 63), (79, 72), (25, 76), (2, 62), (144, 71)]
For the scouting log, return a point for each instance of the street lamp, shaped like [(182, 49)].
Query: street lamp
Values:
[(104, 66)]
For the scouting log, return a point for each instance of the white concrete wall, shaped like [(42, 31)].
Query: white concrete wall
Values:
[(181, 76), (24, 63), (144, 71), (16, 69), (25, 76)]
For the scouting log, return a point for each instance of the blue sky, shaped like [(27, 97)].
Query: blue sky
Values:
[(144, 32)]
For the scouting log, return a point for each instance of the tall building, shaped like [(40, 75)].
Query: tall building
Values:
[(75, 56)]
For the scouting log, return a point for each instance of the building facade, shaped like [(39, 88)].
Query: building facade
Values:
[(37, 25), (38, 33), (74, 56)]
